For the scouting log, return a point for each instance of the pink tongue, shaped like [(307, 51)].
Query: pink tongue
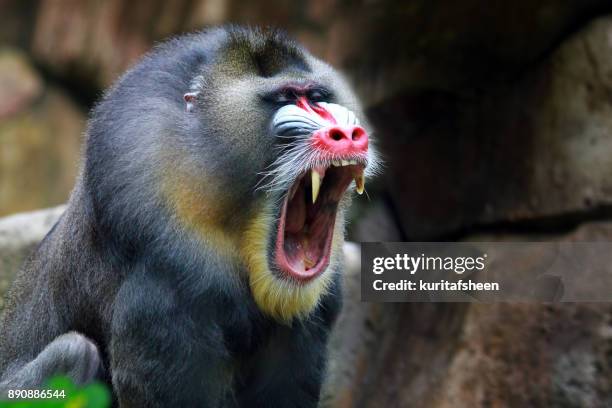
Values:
[(296, 212)]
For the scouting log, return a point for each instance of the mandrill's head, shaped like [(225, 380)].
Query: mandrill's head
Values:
[(295, 146), (269, 147)]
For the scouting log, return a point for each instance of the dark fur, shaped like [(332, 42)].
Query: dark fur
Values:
[(122, 291)]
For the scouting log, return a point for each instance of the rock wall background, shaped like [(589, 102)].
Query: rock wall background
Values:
[(495, 120)]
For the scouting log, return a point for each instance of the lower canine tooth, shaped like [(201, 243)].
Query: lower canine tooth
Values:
[(360, 183), (316, 184)]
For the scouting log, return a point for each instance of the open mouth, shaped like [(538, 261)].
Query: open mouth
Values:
[(308, 215)]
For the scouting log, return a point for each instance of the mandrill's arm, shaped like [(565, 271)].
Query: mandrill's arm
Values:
[(160, 355)]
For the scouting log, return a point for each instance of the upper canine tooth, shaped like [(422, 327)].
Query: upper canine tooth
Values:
[(345, 162), (316, 184), (360, 183), (336, 163), (353, 161)]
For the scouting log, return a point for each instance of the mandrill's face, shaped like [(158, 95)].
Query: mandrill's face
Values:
[(295, 145), (324, 151)]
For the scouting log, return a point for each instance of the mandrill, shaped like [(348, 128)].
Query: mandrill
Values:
[(198, 263)]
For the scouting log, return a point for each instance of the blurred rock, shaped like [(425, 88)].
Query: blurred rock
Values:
[(20, 85), (19, 234), (390, 47), (387, 46), (473, 355), (372, 221), (530, 355), (17, 22), (40, 138), (92, 42), (538, 148)]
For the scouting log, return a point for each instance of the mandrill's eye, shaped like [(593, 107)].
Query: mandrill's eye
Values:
[(318, 95), (284, 96)]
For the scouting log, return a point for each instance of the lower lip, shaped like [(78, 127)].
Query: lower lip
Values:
[(281, 260)]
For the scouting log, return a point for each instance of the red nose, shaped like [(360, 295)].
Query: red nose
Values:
[(341, 140)]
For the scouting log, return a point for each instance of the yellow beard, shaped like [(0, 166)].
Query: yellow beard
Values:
[(279, 298)]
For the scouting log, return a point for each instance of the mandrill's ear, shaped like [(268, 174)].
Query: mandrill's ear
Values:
[(190, 100)]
